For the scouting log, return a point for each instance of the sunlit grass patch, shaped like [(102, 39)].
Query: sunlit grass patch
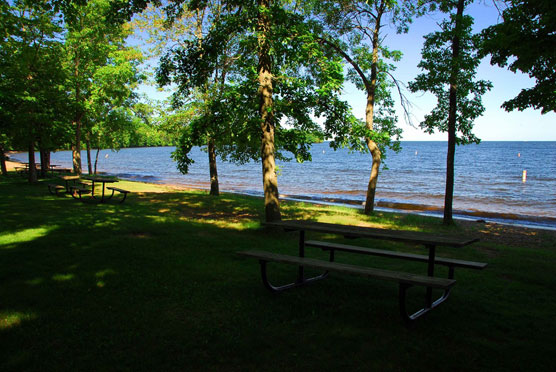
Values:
[(22, 236), (63, 277), (103, 273), (10, 319), (35, 281)]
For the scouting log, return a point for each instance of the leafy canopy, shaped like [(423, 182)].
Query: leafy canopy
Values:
[(526, 41)]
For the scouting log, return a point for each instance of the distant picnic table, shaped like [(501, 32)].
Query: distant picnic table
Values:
[(104, 181), (406, 280), (78, 186)]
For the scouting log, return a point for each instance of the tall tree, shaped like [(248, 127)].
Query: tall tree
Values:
[(172, 28), (266, 110), (450, 61), (526, 41), (276, 47), (30, 83), (354, 31), (93, 47)]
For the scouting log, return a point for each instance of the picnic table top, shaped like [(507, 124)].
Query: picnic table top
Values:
[(100, 179), (69, 178), (375, 233)]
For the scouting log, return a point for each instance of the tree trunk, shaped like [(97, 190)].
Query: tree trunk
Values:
[(32, 163), (3, 160), (214, 188), (45, 161), (369, 115), (270, 181), (76, 147), (452, 113), (96, 161), (89, 164)]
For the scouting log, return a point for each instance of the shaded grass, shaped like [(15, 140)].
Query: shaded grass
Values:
[(154, 284)]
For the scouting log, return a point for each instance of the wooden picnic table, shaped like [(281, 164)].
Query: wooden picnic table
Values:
[(67, 180), (104, 181), (25, 168), (405, 280)]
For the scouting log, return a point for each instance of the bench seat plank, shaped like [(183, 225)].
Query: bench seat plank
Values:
[(394, 254), (80, 189), (400, 277), (117, 189), (121, 191), (54, 189)]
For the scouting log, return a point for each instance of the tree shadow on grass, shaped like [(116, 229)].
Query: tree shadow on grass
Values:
[(154, 284)]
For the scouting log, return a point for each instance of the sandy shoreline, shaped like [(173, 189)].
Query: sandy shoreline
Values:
[(10, 165)]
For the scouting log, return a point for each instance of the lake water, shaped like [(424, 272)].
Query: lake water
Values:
[(488, 177)]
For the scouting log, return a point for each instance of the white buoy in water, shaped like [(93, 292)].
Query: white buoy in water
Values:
[(524, 176)]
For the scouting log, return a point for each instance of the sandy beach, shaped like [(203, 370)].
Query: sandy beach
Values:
[(10, 165)]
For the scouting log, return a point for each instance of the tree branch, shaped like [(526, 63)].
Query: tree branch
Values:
[(406, 104), (346, 56)]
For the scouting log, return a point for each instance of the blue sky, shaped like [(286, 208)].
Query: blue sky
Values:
[(496, 124)]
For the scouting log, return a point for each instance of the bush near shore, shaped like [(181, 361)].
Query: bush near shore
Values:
[(154, 284)]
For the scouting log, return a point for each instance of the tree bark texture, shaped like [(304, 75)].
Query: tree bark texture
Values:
[(76, 147), (89, 160), (3, 160), (452, 116), (45, 160), (214, 188), (96, 161), (32, 163), (270, 181), (369, 115)]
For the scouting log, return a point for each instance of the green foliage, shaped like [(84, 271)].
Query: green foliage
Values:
[(220, 70), (438, 65), (353, 31), (525, 41), (102, 73), (32, 95)]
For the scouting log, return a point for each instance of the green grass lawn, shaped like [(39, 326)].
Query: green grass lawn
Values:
[(155, 284)]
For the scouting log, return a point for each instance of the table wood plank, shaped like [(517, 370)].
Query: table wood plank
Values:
[(374, 233)]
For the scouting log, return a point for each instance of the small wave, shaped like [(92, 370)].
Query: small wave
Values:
[(137, 177)]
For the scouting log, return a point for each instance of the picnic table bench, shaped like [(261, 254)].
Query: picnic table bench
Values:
[(404, 279), (121, 191), (55, 189), (79, 190)]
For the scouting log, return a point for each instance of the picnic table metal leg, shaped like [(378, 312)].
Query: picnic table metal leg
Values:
[(419, 313), (93, 189), (300, 273), (281, 288), (301, 270), (430, 272)]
